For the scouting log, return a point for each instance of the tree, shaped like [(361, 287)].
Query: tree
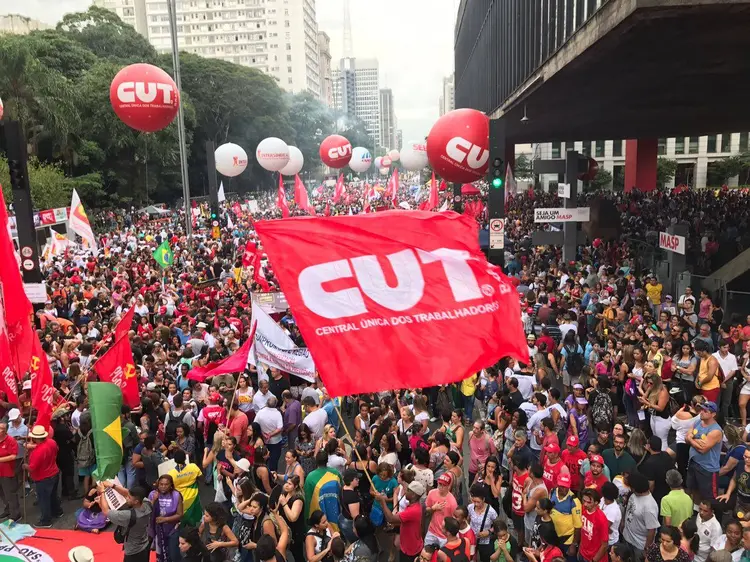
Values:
[(727, 168), (665, 172), (312, 122), (602, 181), (523, 170)]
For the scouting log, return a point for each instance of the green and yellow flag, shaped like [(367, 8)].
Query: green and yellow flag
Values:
[(163, 255), (105, 404)]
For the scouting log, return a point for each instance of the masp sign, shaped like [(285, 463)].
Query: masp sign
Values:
[(579, 214), (672, 242)]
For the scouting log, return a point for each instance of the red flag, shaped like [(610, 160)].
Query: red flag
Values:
[(42, 387), (392, 191), (434, 199), (281, 199), (443, 186), (366, 202), (117, 366), (340, 189), (235, 363), (258, 270), (301, 197), (18, 309), (125, 324), (327, 211), (249, 254), (424, 294)]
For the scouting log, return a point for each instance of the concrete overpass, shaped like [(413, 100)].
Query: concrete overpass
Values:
[(607, 69)]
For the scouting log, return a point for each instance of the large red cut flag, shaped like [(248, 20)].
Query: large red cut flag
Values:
[(340, 190), (396, 299), (125, 324), (117, 366), (18, 309), (42, 386), (235, 363), (281, 202), (248, 254)]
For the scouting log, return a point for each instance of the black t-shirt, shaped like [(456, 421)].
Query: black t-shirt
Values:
[(223, 462), (278, 386), (349, 497), (655, 467), (516, 399)]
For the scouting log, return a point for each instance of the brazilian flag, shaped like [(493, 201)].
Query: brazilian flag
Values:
[(105, 404), (163, 255)]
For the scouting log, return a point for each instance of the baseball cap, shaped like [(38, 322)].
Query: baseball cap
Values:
[(446, 479), (710, 406), (563, 479), (582, 400), (578, 386), (572, 440), (417, 488), (26, 385), (215, 397), (151, 386), (14, 414), (552, 448), (597, 458)]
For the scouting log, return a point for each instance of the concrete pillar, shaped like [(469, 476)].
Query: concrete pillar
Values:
[(510, 155), (640, 164)]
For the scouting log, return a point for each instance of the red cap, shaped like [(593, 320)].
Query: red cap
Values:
[(596, 458), (446, 479), (215, 397), (563, 479), (552, 448), (572, 441)]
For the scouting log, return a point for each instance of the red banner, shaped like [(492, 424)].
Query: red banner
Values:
[(398, 299), (125, 324), (117, 366), (340, 190), (235, 363), (42, 387)]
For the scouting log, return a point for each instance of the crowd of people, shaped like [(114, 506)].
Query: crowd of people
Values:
[(623, 438)]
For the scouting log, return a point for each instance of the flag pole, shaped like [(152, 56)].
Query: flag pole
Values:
[(237, 383), (7, 538), (351, 440)]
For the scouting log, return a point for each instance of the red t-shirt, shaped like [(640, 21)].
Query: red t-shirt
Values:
[(43, 460), (212, 413), (551, 472), (517, 494), (550, 553), (411, 529), (574, 461), (594, 532), (470, 537), (8, 446), (590, 482), (549, 439)]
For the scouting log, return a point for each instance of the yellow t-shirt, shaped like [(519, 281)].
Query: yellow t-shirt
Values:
[(703, 373), (654, 292), (469, 386)]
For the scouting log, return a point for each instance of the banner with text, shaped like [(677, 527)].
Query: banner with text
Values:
[(559, 214), (271, 303), (672, 242)]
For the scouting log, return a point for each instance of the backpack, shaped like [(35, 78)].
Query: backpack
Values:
[(456, 554), (122, 533), (86, 456), (601, 409), (170, 430), (574, 362)]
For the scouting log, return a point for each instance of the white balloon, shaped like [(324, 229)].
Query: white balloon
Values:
[(296, 161), (231, 159), (361, 159), (394, 154), (384, 171), (386, 162), (378, 161), (414, 155), (272, 154)]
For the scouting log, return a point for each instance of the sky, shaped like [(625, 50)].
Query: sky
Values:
[(412, 40)]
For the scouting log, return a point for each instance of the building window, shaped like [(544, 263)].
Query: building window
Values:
[(289, 58), (679, 145), (661, 148), (556, 150), (618, 178), (744, 142), (599, 149), (710, 147), (726, 142), (289, 69), (693, 145), (617, 147), (586, 148)]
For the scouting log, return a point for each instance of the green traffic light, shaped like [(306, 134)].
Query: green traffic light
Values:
[(497, 182)]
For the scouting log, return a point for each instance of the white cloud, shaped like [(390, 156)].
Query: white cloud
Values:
[(412, 40)]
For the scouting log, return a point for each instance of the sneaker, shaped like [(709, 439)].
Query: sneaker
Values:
[(42, 525)]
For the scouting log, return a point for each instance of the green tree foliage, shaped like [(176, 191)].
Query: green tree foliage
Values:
[(56, 83), (665, 171), (523, 169), (602, 181)]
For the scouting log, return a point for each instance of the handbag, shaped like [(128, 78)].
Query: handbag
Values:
[(121, 533)]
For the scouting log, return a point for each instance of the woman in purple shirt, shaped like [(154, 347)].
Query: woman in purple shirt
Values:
[(167, 513)]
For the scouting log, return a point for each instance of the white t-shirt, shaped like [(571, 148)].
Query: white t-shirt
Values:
[(316, 421), (728, 363), (525, 385), (721, 542), (614, 516), (535, 425), (708, 531)]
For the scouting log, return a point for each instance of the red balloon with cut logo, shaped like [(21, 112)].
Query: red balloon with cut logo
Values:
[(458, 145), (335, 151), (144, 97)]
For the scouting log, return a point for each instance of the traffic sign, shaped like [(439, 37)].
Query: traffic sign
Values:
[(28, 265), (497, 234), (27, 252)]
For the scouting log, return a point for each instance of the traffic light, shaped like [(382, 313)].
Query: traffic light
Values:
[(497, 173)]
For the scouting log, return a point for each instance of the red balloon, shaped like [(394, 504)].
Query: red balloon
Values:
[(590, 173), (144, 97), (335, 151), (386, 162), (458, 145)]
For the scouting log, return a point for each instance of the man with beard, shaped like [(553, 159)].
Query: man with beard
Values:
[(595, 477), (617, 459)]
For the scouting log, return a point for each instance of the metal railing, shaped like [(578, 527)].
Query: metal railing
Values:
[(733, 302)]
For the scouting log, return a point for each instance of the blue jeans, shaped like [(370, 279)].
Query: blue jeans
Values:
[(469, 407), (127, 475), (49, 502)]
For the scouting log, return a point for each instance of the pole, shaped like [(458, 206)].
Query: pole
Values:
[(351, 440), (7, 538), (570, 229), (172, 9)]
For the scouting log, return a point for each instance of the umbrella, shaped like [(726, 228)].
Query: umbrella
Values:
[(468, 189)]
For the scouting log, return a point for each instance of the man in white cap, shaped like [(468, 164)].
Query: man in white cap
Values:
[(81, 554), (19, 431)]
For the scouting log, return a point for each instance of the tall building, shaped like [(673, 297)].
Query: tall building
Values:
[(324, 64), (399, 139), (387, 120), (20, 25), (356, 93), (448, 95), (278, 37)]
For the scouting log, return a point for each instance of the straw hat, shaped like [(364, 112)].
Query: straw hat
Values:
[(81, 554), (38, 432)]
